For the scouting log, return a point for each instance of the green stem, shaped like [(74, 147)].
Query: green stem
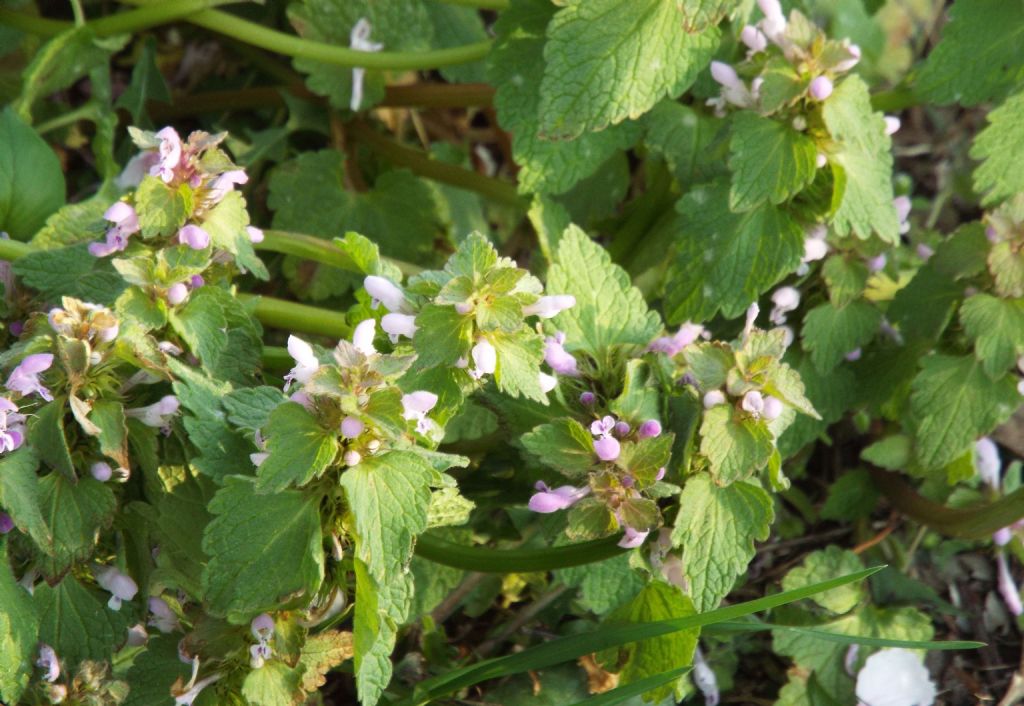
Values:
[(324, 251), (11, 250), (969, 523), (298, 318), (76, 8), (509, 561), (119, 23), (424, 165), (153, 14), (276, 358), (86, 111)]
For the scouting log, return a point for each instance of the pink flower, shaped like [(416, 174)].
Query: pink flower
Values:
[(12, 426), (306, 362), (753, 403), (587, 398), (987, 462), (633, 538), (713, 398), (158, 414), (606, 446), (416, 405), (49, 663), (854, 57), (25, 377), (120, 585), (485, 359), (194, 236), (892, 124), (6, 523), (255, 234), (734, 91), (359, 40), (550, 306), (754, 39), (705, 680), (1007, 586), (177, 293), (124, 218), (384, 291), (362, 336), (674, 344), (547, 382), (170, 155), (163, 618), (225, 183), (903, 206), (785, 299), (553, 499), (262, 626), (101, 471), (772, 408), (137, 167), (397, 325), (559, 359)]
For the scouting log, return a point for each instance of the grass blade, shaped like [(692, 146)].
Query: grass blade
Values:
[(828, 636), (622, 693)]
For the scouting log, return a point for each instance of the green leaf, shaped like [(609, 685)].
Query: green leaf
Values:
[(250, 407), (273, 684), (76, 622), (516, 67), (388, 495), (830, 333), (221, 332), (456, 27), (997, 328), (519, 357), (567, 648), (20, 497), (63, 60), (180, 519), (320, 654), (609, 60), (699, 14), (162, 208), (154, 670), (980, 56), (954, 402), (818, 566), (656, 601), (862, 164), (563, 444), (147, 83), (442, 336), (77, 222), (769, 160), (263, 549), (31, 178), (609, 310), (380, 608), (846, 279), (400, 25), (19, 631), (308, 195), (226, 223), (923, 308), (603, 585), (75, 514), (682, 136), (726, 260), (895, 453), (735, 447), (717, 528), (108, 415), (300, 449), (1000, 148), (71, 272), (852, 496)]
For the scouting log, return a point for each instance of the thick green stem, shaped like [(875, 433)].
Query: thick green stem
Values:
[(424, 165), (508, 561), (123, 22), (323, 251), (298, 318), (13, 249), (969, 523), (153, 14)]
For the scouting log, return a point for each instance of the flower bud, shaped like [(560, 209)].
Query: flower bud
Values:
[(587, 398), (101, 471), (821, 160), (1002, 536), (352, 457), (846, 64), (753, 403), (177, 293), (485, 358), (255, 234), (754, 39), (463, 308), (551, 500), (120, 585), (362, 337), (351, 427), (877, 263), (621, 429), (649, 429), (854, 355), (725, 75), (6, 522), (713, 398), (892, 124), (820, 88), (987, 461), (633, 538), (547, 382), (772, 408)]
